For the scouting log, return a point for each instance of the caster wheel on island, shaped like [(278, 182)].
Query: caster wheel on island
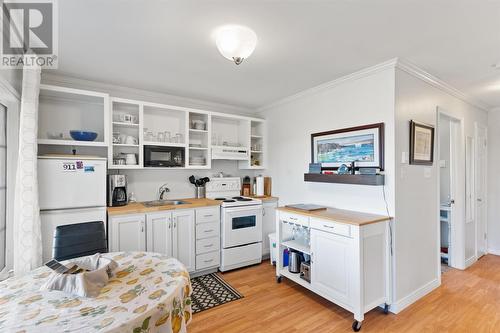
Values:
[(278, 279), (356, 326), (386, 308)]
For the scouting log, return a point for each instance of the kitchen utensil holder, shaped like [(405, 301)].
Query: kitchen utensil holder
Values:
[(200, 192)]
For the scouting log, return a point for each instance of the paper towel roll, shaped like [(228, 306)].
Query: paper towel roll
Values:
[(260, 186)]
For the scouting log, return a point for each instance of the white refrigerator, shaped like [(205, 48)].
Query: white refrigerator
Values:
[(72, 190)]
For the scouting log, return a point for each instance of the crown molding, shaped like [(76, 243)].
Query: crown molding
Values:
[(419, 73), (330, 84), (398, 63), (140, 94)]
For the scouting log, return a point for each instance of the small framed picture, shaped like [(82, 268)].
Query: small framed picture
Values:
[(421, 143)]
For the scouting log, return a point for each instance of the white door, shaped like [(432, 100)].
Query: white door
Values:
[(268, 224), (481, 187), (159, 233), (331, 256), (71, 183), (127, 233), (183, 238)]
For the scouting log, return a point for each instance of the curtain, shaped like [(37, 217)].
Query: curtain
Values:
[(27, 227)]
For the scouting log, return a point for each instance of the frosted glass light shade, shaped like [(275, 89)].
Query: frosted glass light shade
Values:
[(235, 42)]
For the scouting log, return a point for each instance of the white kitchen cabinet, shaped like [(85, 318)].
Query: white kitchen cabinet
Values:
[(183, 238), (331, 256), (127, 233), (172, 233), (268, 224), (349, 252), (158, 232)]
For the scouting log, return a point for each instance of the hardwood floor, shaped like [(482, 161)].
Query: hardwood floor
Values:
[(467, 301)]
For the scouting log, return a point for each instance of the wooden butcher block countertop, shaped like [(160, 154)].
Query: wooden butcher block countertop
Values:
[(339, 215), (139, 208)]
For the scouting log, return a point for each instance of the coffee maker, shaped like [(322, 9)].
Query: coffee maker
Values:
[(117, 190)]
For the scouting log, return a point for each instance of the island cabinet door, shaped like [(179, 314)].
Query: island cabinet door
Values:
[(331, 257), (159, 233), (183, 238), (127, 233)]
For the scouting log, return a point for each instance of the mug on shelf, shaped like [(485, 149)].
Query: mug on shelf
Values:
[(131, 140)]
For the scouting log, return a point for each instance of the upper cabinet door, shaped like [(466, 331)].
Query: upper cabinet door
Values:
[(331, 265), (183, 238), (159, 231), (127, 233)]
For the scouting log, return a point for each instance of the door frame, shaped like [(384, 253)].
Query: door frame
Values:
[(458, 209), (11, 99), (485, 194)]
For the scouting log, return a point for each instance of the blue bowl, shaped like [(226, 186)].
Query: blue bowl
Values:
[(83, 135)]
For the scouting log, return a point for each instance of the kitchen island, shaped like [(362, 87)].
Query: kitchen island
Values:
[(349, 256)]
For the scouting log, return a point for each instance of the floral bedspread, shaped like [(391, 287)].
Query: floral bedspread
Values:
[(148, 292)]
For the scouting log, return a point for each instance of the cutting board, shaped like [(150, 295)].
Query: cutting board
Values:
[(307, 207)]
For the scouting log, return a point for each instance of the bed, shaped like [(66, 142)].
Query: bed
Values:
[(148, 292)]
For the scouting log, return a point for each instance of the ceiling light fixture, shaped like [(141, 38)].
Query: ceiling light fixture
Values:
[(235, 42)]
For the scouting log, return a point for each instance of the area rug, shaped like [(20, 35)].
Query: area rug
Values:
[(210, 291)]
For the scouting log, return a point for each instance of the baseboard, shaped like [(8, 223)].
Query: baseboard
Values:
[(470, 261), (406, 301), (494, 251)]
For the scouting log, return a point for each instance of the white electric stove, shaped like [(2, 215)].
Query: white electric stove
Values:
[(241, 223)]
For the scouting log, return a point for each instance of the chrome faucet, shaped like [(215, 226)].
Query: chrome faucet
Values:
[(162, 190)]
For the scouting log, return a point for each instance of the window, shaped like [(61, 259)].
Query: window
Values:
[(3, 185)]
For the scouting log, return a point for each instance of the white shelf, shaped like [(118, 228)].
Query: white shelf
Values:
[(164, 144), (293, 244), (124, 145), (256, 151), (295, 277), (125, 166), (197, 130), (122, 124), (256, 136), (198, 148), (71, 143)]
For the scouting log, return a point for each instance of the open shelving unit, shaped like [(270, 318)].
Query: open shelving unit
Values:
[(122, 124), (198, 153), (64, 109), (121, 128)]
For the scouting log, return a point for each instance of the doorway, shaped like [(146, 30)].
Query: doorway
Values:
[(480, 170), (450, 156)]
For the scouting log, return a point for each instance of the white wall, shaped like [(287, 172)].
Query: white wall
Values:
[(145, 183), (416, 244), (365, 100), (493, 182)]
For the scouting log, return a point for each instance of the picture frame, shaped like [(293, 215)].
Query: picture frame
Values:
[(363, 145), (421, 143)]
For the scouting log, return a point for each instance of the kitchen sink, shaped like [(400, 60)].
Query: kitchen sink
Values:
[(156, 203)]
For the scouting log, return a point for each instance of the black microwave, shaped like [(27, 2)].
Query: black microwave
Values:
[(161, 156)]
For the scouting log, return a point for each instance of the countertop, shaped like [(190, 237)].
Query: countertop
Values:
[(340, 215), (139, 208), (265, 198)]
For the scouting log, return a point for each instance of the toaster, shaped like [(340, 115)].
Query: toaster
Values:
[(305, 271)]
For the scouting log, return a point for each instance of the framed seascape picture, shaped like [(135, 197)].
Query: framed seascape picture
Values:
[(421, 143), (363, 145)]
